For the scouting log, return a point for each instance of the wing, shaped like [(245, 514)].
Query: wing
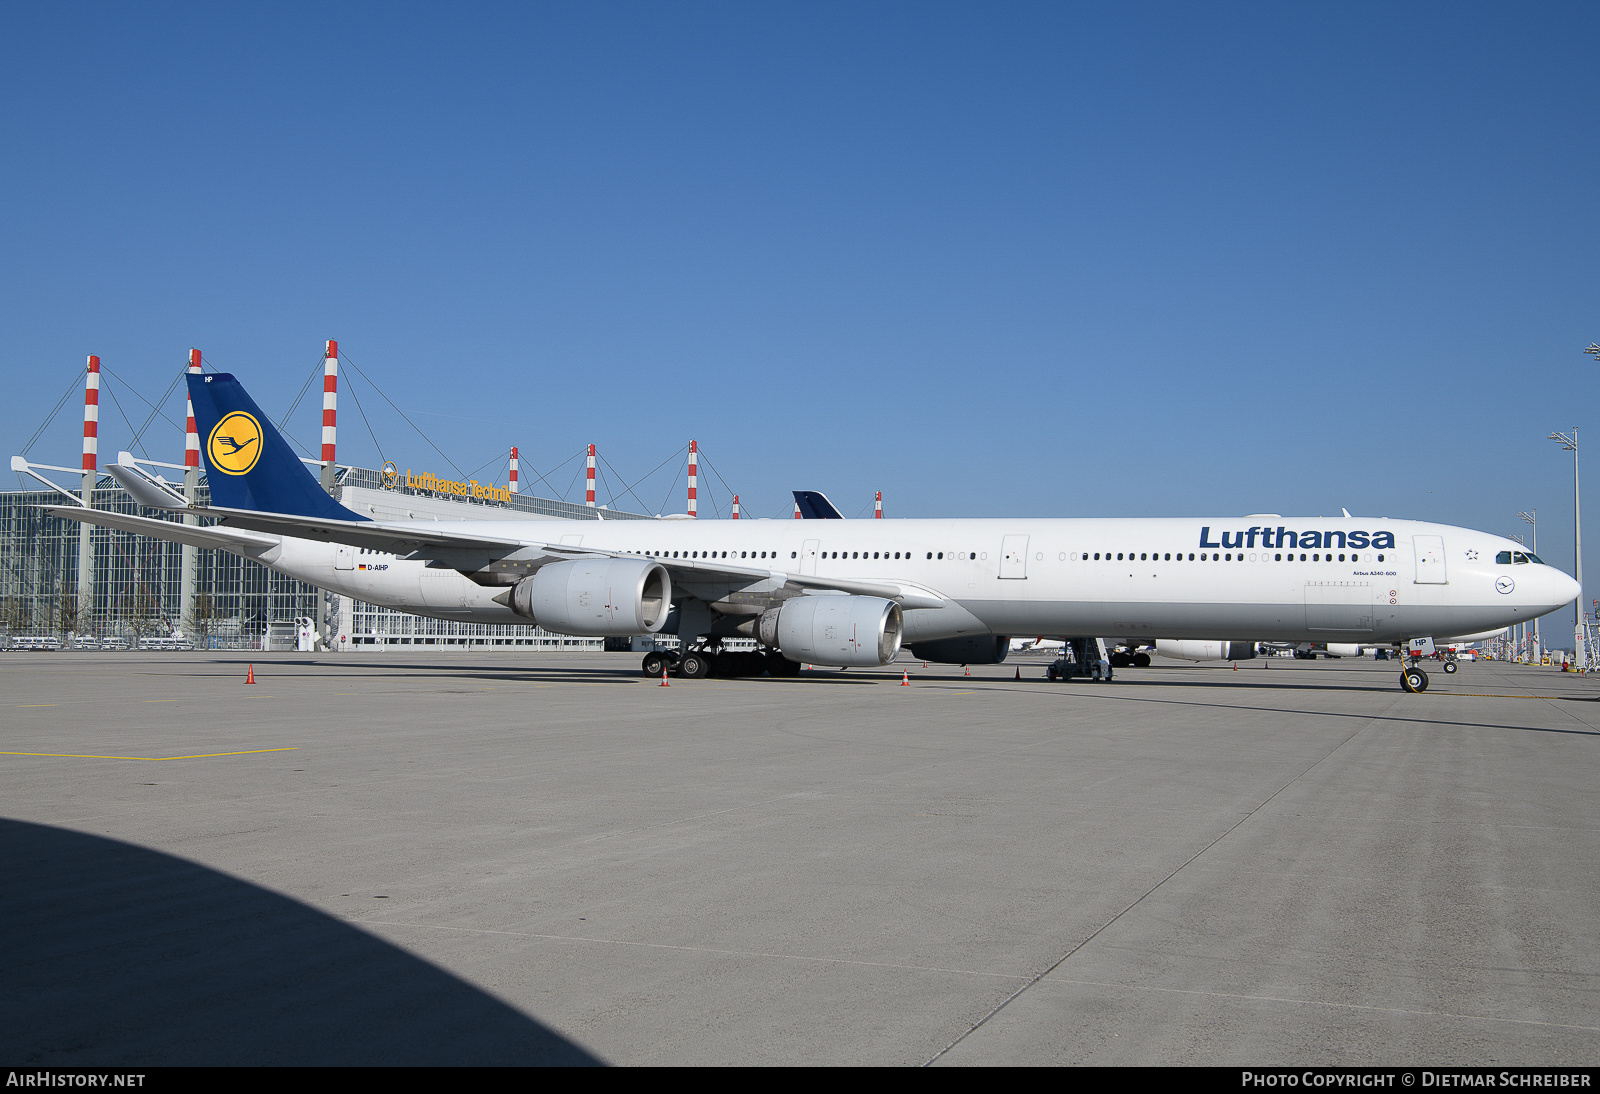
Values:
[(477, 552)]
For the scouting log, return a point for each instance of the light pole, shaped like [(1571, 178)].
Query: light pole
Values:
[(1533, 534), (1580, 648), (1519, 631)]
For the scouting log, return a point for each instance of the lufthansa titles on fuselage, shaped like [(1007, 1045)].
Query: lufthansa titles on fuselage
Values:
[(1314, 539)]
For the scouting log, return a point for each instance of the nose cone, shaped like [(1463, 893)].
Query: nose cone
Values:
[(1557, 590)]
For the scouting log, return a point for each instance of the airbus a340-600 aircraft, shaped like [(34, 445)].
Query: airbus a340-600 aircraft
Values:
[(847, 593)]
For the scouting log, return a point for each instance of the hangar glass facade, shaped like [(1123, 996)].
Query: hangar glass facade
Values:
[(137, 592)]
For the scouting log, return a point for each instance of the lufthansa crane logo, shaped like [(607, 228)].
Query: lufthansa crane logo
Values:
[(235, 444)]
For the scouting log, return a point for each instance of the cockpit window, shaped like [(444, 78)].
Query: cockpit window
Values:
[(1522, 559), (1503, 558), (1535, 558)]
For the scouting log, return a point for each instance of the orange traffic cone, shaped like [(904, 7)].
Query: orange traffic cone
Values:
[(905, 678), (250, 675), (965, 671), (664, 676), (1236, 666)]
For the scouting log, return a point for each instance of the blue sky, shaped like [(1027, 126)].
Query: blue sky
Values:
[(1030, 259)]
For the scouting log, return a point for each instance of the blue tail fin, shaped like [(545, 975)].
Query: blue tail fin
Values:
[(248, 464), (814, 505)]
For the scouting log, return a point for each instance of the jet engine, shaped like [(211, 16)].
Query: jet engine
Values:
[(846, 631), (1206, 651), (979, 649), (1344, 649), (595, 597)]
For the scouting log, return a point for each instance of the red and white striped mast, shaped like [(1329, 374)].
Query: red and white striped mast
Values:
[(188, 568), (91, 473), (694, 478), (330, 410), (588, 490), (796, 510), (91, 426), (513, 469), (877, 505), (736, 507), (191, 434)]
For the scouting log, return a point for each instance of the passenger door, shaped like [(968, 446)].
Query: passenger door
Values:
[(1014, 557), (808, 557), (1430, 560)]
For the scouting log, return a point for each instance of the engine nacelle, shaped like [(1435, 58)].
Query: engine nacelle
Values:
[(596, 597), (979, 649), (1344, 649), (844, 631), (1206, 651)]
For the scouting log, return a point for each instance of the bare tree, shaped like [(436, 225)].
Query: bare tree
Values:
[(67, 615), (139, 613), (16, 615), (203, 620)]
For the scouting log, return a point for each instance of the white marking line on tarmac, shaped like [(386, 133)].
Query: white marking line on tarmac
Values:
[(1051, 981), (695, 949)]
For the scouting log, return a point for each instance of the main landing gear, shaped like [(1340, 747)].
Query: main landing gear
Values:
[(1085, 658), (697, 663)]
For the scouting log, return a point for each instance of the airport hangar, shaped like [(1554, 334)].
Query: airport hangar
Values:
[(134, 590)]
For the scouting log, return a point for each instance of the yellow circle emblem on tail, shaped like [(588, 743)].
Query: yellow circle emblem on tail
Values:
[(235, 444)]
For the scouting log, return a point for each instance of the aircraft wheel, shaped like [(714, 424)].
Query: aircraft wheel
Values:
[(1450, 667), (694, 666), (1141, 660), (653, 663), (1414, 681), (1050, 672)]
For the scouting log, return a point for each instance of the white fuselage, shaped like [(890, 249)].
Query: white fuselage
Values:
[(1223, 578)]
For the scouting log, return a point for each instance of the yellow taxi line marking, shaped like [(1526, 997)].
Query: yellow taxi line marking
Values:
[(158, 700), (27, 705), (152, 759)]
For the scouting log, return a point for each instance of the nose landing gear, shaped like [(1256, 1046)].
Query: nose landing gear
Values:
[(1414, 680)]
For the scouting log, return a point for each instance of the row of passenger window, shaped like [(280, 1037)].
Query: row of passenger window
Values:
[(1157, 556)]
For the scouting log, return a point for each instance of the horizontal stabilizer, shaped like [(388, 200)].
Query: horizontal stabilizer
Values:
[(229, 539)]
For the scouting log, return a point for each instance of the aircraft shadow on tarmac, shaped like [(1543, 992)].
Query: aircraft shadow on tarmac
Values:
[(116, 954)]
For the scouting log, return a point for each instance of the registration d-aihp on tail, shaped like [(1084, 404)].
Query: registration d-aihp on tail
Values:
[(851, 593)]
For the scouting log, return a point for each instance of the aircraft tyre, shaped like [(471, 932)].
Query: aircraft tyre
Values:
[(655, 661), (1450, 667), (694, 666), (1414, 680), (1141, 660)]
